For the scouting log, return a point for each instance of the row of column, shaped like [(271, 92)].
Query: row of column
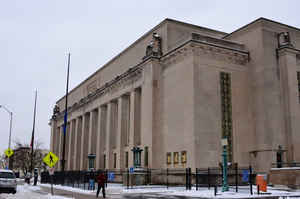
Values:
[(109, 132)]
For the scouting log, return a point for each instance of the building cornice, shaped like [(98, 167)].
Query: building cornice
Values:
[(131, 76), (213, 47)]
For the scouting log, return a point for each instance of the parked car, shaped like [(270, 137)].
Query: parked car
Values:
[(8, 182)]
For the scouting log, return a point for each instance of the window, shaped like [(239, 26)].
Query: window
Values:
[(126, 159), (183, 157), (169, 158), (225, 84), (176, 157), (146, 157), (104, 161), (115, 160)]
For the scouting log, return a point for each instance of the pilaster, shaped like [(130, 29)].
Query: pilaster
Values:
[(70, 145), (287, 58)]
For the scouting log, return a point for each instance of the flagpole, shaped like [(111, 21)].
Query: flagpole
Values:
[(32, 136), (65, 122)]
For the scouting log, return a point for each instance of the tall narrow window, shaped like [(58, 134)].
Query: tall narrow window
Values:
[(176, 157), (126, 159), (169, 161), (146, 157), (183, 157), (298, 78), (225, 83), (104, 161), (115, 160)]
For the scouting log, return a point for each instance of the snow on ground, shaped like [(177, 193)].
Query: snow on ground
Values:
[(66, 188), (30, 192), (244, 191)]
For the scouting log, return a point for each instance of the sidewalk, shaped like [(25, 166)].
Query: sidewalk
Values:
[(118, 192), (76, 195)]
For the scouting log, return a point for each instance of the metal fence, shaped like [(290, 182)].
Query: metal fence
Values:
[(209, 177), (285, 164), (212, 177)]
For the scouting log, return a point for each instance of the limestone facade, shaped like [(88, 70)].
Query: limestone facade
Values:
[(181, 88)]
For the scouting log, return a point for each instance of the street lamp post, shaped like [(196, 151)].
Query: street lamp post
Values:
[(224, 154), (10, 127)]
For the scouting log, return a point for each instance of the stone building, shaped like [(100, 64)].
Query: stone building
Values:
[(181, 88)]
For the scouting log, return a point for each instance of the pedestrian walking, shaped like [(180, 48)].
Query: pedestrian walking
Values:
[(36, 175), (91, 180), (101, 179)]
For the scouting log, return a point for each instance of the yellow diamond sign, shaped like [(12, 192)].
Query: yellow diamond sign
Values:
[(50, 159), (9, 152)]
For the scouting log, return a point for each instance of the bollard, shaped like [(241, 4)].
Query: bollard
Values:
[(208, 177), (186, 178), (258, 190), (197, 179), (127, 178), (236, 177), (167, 178), (190, 179)]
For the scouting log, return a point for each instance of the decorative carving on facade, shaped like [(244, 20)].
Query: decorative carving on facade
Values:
[(212, 52), (120, 82), (284, 40), (154, 48), (92, 87), (56, 111), (177, 56)]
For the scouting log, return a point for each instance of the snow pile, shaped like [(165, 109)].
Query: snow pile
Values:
[(30, 192)]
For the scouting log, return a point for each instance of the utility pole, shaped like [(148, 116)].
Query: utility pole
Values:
[(10, 128), (32, 135)]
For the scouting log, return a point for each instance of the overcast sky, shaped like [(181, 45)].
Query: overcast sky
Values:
[(35, 37)]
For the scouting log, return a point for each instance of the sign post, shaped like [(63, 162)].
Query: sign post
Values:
[(51, 159), (51, 172)]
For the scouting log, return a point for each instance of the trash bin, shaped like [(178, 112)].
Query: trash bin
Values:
[(261, 181)]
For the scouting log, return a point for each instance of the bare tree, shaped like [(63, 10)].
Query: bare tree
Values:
[(3, 161), (22, 157)]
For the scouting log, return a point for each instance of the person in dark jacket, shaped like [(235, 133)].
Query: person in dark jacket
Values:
[(36, 175), (101, 179)]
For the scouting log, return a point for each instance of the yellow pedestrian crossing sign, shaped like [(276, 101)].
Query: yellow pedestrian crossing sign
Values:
[(9, 152), (50, 159)]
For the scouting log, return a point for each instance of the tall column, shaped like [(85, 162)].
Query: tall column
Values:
[(137, 116), (102, 138), (290, 91), (57, 142), (53, 135), (71, 144), (108, 135), (67, 137), (93, 132), (60, 149), (119, 134), (98, 140), (90, 132), (75, 146), (112, 131), (84, 143), (86, 140), (131, 137), (68, 159), (78, 146), (148, 134)]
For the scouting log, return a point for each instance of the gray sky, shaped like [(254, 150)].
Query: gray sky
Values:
[(35, 37)]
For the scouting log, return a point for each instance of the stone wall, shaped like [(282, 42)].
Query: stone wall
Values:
[(285, 176)]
